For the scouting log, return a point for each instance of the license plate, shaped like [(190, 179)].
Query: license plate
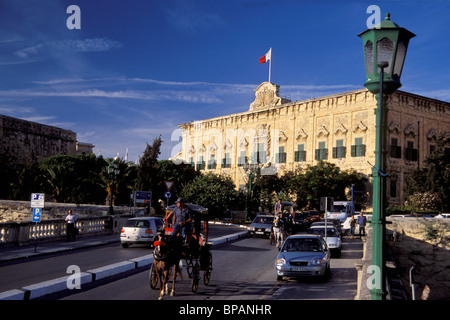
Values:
[(259, 232), (133, 238), (298, 269)]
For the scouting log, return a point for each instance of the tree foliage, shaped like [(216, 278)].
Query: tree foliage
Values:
[(215, 192), (433, 177)]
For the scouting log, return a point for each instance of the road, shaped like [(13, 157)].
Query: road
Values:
[(243, 270), (34, 270)]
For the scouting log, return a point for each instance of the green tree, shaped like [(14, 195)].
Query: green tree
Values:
[(433, 177), (212, 191), (322, 180), (147, 171)]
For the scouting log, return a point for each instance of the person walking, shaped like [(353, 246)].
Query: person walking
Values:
[(362, 224), (352, 227), (278, 231), (71, 230)]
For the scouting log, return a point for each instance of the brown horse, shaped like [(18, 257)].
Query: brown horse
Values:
[(166, 257)]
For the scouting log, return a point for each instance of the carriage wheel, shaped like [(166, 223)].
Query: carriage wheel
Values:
[(153, 278), (207, 273), (195, 277)]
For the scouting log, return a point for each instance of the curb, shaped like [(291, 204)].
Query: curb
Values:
[(41, 289)]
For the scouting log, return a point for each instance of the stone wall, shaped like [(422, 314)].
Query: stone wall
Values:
[(425, 244), (19, 137)]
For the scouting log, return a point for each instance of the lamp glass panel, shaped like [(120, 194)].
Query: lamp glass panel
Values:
[(385, 51), (400, 58), (368, 54)]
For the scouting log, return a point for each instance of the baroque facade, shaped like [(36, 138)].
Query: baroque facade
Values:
[(279, 135), (19, 137)]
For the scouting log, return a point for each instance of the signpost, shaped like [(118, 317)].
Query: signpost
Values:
[(37, 204), (168, 194), (142, 197)]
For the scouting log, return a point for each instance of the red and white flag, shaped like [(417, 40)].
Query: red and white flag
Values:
[(266, 57)]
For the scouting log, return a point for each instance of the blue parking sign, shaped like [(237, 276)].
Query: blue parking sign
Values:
[(37, 214)]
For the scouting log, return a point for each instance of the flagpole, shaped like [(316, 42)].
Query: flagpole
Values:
[(270, 64)]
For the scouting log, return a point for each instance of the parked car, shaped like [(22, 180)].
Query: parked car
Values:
[(443, 215), (140, 230), (261, 226), (330, 222), (299, 222), (312, 215), (332, 238), (303, 255)]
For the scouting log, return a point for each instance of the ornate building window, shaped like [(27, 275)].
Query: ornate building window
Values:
[(300, 154), (226, 162), (395, 151), (321, 153), (358, 149), (212, 162), (200, 164), (410, 151), (339, 150), (242, 159), (281, 155)]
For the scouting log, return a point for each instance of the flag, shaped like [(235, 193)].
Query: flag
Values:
[(266, 57)]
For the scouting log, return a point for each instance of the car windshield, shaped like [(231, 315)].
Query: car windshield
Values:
[(138, 224), (303, 245), (321, 232), (264, 220)]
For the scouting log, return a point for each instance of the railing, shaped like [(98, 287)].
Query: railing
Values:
[(22, 233)]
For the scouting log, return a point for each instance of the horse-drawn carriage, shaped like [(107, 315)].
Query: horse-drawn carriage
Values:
[(170, 251)]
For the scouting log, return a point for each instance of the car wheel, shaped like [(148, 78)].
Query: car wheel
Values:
[(279, 278), (125, 245)]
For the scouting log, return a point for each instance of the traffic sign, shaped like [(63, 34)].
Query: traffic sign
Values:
[(169, 184), (168, 195), (37, 200), (37, 214), (143, 196)]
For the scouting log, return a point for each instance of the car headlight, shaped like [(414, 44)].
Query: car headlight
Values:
[(281, 262), (317, 261)]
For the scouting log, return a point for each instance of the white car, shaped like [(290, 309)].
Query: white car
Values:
[(140, 230), (333, 238)]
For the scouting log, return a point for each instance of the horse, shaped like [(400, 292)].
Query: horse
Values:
[(166, 255)]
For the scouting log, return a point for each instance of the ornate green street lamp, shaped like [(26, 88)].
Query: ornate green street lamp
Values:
[(385, 48), (113, 170)]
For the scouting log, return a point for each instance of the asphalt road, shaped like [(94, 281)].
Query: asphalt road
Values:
[(242, 270), (34, 270)]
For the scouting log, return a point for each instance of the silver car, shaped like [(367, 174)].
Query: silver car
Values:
[(303, 255), (261, 226), (140, 231)]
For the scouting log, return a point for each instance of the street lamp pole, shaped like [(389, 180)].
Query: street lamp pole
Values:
[(385, 48), (379, 193)]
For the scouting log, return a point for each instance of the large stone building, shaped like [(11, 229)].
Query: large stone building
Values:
[(279, 135), (19, 137)]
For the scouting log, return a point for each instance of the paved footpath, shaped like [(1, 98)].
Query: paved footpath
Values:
[(41, 289)]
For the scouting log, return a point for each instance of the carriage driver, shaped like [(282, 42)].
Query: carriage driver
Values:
[(183, 218)]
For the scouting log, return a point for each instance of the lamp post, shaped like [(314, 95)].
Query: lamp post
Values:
[(385, 48), (113, 171), (251, 169)]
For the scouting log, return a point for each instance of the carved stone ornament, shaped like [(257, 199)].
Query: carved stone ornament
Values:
[(266, 96), (301, 134), (410, 130), (359, 125)]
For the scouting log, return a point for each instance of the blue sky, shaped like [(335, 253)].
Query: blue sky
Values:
[(138, 68)]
